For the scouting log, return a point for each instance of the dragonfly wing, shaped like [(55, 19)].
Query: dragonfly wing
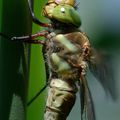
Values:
[(82, 101), (87, 109), (101, 67)]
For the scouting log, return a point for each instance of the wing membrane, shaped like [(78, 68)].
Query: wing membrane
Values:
[(101, 67), (87, 109)]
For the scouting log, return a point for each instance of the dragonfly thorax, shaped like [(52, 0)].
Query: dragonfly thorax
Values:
[(64, 54)]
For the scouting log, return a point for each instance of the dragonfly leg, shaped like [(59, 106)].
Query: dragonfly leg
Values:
[(34, 98), (28, 38), (34, 19)]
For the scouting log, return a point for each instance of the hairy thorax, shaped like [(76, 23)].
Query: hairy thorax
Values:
[(65, 54)]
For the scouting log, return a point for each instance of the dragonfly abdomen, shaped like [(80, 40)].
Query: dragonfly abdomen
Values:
[(61, 98)]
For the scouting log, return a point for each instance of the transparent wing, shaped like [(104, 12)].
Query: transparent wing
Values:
[(101, 67), (87, 109)]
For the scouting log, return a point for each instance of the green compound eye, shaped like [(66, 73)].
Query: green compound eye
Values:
[(66, 14)]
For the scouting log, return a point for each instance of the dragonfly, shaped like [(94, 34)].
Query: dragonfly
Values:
[(68, 55)]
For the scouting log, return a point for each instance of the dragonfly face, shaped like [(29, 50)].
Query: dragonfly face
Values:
[(64, 13)]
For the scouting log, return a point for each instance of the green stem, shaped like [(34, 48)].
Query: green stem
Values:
[(14, 21)]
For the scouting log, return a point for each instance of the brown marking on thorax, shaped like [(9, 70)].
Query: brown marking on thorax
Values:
[(77, 38)]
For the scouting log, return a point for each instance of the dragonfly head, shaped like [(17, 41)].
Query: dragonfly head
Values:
[(63, 12)]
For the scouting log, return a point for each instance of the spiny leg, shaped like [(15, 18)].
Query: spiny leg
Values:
[(28, 38), (40, 91), (34, 19)]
